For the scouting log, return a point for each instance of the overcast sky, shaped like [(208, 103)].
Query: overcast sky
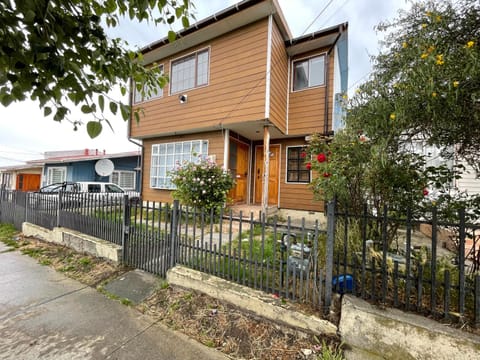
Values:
[(26, 134)]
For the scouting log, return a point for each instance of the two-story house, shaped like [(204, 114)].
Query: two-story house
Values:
[(246, 93)]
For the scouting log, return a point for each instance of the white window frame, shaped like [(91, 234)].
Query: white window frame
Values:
[(300, 164), (308, 60), (121, 175), (137, 95), (166, 156), (196, 84), (50, 171)]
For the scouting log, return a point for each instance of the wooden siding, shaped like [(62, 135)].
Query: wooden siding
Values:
[(306, 112), (215, 147), (295, 196), (235, 93), (279, 81)]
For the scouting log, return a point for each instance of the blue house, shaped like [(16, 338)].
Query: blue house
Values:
[(91, 165)]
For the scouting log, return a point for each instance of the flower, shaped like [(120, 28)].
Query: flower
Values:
[(392, 116), (470, 44), (362, 138), (303, 154), (425, 192), (434, 94), (424, 26), (326, 174), (440, 60), (404, 45), (424, 56), (321, 158), (309, 166), (455, 83)]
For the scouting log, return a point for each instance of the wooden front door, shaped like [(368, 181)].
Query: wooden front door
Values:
[(28, 182), (274, 174), (238, 164)]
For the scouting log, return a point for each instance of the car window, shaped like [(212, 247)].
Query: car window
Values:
[(112, 188), (94, 188)]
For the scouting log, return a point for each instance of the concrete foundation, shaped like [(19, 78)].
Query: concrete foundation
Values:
[(75, 240)]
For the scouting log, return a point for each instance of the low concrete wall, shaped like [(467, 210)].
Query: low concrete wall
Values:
[(249, 299), (75, 240), (375, 333)]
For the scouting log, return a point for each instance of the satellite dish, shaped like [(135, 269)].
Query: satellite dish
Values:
[(104, 167)]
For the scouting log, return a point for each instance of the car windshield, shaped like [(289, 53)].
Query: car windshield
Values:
[(52, 188), (112, 188)]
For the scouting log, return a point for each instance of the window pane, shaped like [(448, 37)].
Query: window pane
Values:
[(202, 68), (137, 94), (300, 80), (183, 74), (317, 71)]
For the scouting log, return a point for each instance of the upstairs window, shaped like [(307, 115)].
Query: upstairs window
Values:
[(309, 73), (154, 93), (189, 72)]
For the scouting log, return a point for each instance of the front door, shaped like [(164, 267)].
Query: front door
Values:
[(238, 164), (28, 182), (274, 174)]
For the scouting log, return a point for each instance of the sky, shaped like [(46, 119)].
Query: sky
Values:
[(25, 134)]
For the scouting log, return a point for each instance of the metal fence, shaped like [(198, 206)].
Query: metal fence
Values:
[(428, 266)]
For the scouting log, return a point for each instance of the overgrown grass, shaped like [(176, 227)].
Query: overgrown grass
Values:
[(7, 235)]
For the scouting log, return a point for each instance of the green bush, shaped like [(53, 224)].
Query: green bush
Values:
[(203, 184)]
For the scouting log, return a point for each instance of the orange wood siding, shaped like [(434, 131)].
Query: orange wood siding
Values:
[(278, 81), (215, 147), (295, 196), (235, 93), (306, 113)]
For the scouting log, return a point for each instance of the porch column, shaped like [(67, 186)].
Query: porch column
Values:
[(226, 149), (266, 167)]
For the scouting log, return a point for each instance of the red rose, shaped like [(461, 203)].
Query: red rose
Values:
[(326, 174), (303, 154), (308, 166), (425, 192), (321, 157)]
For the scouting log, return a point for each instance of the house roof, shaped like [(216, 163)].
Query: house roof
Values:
[(315, 40), (231, 18), (82, 157), (20, 167)]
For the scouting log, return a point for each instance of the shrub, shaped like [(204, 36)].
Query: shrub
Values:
[(203, 184)]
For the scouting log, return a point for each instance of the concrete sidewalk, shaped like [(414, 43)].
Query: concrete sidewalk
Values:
[(45, 315)]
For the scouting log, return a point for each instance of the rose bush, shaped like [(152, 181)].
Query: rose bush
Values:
[(202, 184)]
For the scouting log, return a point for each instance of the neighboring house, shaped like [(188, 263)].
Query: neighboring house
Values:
[(245, 93), (21, 177), (91, 165)]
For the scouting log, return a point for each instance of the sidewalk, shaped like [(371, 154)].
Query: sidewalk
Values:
[(45, 315)]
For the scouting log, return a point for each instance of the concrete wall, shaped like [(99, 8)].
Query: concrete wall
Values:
[(75, 240), (374, 333)]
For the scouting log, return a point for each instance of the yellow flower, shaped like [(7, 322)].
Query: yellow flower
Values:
[(424, 26), (438, 18), (455, 83), (428, 13), (392, 116), (470, 44), (404, 45), (440, 60), (430, 48), (424, 56), (434, 94)]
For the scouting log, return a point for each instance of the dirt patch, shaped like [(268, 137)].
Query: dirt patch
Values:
[(214, 323)]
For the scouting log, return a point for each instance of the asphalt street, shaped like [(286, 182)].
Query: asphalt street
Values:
[(45, 315)]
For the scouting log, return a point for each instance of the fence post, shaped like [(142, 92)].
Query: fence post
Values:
[(173, 233), (126, 228), (329, 254), (59, 206)]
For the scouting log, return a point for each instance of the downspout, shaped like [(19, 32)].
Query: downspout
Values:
[(136, 143), (327, 87)]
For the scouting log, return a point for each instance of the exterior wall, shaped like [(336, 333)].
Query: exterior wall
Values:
[(469, 182), (279, 81), (295, 196), (235, 93), (306, 111), (215, 147)]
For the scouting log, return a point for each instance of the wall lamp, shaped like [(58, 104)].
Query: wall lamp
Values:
[(182, 98)]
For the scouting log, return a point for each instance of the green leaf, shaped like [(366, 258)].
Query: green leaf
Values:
[(94, 128), (172, 35), (113, 107), (47, 111), (60, 114), (185, 22), (125, 110), (101, 102), (86, 109)]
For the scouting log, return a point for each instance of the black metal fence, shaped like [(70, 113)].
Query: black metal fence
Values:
[(426, 266), (381, 259)]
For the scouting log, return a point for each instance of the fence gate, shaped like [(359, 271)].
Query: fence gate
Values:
[(151, 237)]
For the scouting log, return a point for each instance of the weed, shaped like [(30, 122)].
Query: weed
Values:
[(34, 253), (85, 261), (45, 262), (67, 268), (126, 302)]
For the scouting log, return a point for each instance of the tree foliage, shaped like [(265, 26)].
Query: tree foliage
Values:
[(57, 52), (424, 90)]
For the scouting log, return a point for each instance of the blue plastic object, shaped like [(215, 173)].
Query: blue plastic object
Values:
[(343, 283)]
